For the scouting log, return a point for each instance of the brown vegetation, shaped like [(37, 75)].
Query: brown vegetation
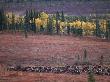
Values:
[(49, 50)]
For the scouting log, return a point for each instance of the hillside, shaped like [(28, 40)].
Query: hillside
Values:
[(69, 7), (40, 50), (50, 50)]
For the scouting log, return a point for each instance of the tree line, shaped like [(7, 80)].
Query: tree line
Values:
[(28, 23)]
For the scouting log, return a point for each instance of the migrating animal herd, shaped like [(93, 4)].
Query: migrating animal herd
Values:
[(75, 69)]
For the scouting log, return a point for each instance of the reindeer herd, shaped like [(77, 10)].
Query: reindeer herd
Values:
[(75, 69)]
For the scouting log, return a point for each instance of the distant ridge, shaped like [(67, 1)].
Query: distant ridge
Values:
[(72, 7), (19, 1)]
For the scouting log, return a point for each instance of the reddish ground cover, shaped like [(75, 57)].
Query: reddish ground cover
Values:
[(45, 77), (50, 50)]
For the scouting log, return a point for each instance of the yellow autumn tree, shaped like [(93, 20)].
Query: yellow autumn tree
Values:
[(9, 19), (103, 24), (83, 25), (42, 20), (78, 24), (54, 23), (62, 26), (74, 24), (38, 22), (44, 16), (88, 27)]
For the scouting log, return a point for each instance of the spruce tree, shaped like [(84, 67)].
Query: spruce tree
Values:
[(97, 28), (26, 24), (62, 17), (2, 19), (108, 30), (85, 60), (57, 25), (34, 25), (68, 29), (13, 23), (49, 26), (8, 25), (32, 16)]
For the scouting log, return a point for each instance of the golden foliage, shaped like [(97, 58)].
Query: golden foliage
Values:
[(38, 22), (103, 24), (44, 15)]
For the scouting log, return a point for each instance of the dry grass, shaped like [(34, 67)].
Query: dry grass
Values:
[(45, 77), (48, 50)]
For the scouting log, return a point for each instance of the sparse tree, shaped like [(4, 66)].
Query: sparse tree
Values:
[(101, 60), (91, 77), (85, 59), (77, 60)]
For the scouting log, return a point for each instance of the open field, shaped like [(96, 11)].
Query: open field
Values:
[(45, 77), (49, 50), (70, 52)]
